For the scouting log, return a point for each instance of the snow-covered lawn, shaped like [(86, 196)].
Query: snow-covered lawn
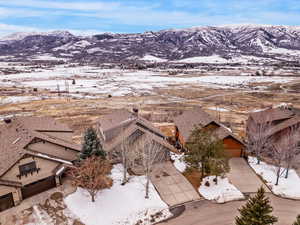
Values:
[(289, 188), (120, 204), (178, 162), (222, 192)]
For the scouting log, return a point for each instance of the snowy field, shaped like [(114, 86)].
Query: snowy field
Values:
[(289, 188), (221, 192), (122, 205), (127, 82)]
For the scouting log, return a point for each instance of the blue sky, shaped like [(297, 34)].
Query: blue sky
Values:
[(128, 16)]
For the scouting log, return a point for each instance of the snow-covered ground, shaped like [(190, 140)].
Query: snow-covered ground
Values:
[(205, 59), (222, 192), (179, 164), (215, 108), (18, 99), (152, 58), (216, 59), (289, 188), (119, 82), (122, 205)]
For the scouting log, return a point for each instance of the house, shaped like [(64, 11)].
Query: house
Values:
[(279, 119), (197, 117), (34, 152), (122, 125)]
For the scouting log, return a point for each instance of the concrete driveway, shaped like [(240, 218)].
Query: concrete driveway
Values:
[(172, 186), (208, 213), (243, 177)]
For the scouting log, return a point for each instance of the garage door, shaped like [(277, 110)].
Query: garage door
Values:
[(233, 152), (38, 187), (6, 202)]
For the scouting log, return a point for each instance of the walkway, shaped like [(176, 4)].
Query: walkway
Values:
[(172, 186), (243, 177)]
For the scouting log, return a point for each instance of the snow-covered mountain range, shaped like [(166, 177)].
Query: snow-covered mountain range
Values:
[(224, 44)]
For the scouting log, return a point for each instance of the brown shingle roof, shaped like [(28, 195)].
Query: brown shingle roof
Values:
[(16, 135), (43, 124), (191, 118), (114, 119), (187, 121), (285, 124), (116, 132), (221, 133), (272, 114)]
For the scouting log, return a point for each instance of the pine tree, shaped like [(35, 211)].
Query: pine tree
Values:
[(257, 211), (92, 145), (297, 222), (203, 147)]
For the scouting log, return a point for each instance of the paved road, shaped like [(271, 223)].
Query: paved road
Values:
[(208, 213), (172, 186), (243, 177)]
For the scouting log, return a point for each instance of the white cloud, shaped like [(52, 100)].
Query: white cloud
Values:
[(6, 29), (82, 6), (19, 13)]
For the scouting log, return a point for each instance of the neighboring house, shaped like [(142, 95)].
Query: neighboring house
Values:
[(188, 120), (279, 119), (34, 152), (123, 125)]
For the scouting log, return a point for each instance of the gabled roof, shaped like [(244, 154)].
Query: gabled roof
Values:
[(285, 124), (187, 121), (114, 119), (222, 133), (272, 114), (114, 135), (190, 119), (16, 135)]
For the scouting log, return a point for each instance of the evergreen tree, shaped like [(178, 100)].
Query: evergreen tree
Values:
[(297, 222), (92, 145), (203, 147), (257, 211)]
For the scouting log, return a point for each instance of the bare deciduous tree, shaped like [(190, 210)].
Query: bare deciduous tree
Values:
[(278, 152), (290, 143), (257, 138), (149, 154), (92, 175), (127, 155)]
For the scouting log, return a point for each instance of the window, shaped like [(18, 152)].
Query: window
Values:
[(27, 168)]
